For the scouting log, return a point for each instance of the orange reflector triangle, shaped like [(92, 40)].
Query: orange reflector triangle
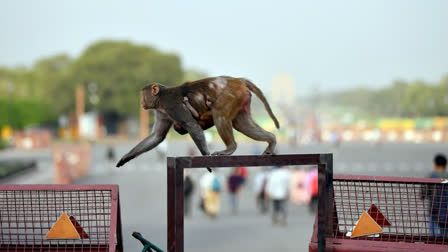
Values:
[(366, 226), (78, 227), (378, 216), (63, 229)]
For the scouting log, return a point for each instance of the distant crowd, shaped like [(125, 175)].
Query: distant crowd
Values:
[(272, 188)]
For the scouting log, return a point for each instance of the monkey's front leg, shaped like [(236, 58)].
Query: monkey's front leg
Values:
[(145, 145), (198, 137), (158, 134)]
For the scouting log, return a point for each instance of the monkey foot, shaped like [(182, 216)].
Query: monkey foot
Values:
[(222, 153), (269, 152)]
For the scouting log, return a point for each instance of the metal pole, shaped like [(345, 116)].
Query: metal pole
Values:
[(175, 206), (325, 201)]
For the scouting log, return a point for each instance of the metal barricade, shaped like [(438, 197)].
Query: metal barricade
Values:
[(28, 212), (415, 210)]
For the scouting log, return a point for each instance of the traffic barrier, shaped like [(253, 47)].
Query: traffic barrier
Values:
[(60, 218), (397, 214)]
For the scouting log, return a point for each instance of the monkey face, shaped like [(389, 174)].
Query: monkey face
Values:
[(150, 96)]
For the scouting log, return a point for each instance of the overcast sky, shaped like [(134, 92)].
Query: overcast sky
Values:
[(332, 44)]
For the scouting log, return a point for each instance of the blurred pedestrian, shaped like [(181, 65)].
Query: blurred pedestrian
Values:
[(277, 189), (210, 185), (437, 196), (299, 193), (243, 173), (262, 201), (110, 154), (335, 139), (234, 183), (188, 192)]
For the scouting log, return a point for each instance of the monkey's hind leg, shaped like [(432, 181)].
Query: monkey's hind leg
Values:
[(224, 110), (244, 123), (225, 131)]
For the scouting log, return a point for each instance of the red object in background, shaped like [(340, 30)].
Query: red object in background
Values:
[(242, 171), (314, 186), (34, 139), (71, 162)]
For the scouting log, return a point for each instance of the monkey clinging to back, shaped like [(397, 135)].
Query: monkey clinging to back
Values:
[(195, 106)]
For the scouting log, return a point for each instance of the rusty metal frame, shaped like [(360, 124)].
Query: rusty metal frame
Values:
[(175, 187), (115, 229), (372, 245)]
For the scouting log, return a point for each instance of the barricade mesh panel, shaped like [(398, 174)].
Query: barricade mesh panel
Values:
[(27, 216), (417, 212)]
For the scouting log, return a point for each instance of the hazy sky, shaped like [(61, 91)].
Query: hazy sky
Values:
[(334, 44)]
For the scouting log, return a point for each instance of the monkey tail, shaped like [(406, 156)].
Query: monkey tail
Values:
[(252, 87)]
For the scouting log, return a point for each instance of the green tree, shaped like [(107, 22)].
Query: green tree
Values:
[(401, 99), (119, 70)]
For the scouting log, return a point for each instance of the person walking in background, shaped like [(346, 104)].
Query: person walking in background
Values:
[(261, 199), (210, 185), (277, 189), (299, 193), (243, 173), (438, 199), (234, 183), (110, 154), (188, 192), (110, 158)]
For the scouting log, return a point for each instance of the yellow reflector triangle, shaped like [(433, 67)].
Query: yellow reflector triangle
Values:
[(63, 229), (366, 226)]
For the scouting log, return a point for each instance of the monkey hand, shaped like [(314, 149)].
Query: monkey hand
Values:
[(123, 160)]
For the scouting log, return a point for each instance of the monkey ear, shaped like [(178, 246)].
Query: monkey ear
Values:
[(155, 89)]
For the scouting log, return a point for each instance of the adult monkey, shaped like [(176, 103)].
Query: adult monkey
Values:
[(195, 106)]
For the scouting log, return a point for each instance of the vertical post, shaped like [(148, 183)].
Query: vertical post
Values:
[(79, 110), (325, 201), (175, 206), (171, 180), (80, 100), (179, 200), (119, 230), (115, 215), (321, 210)]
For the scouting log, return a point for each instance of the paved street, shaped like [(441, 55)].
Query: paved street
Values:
[(143, 194)]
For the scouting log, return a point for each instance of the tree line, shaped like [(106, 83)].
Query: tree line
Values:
[(400, 99), (112, 72)]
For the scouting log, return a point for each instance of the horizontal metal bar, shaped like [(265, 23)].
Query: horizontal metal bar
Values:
[(339, 177), (249, 160), (50, 187), (367, 245)]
